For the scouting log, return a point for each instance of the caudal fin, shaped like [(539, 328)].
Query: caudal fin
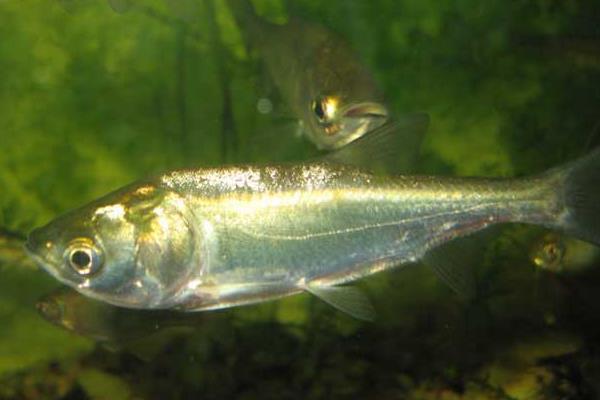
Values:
[(580, 192)]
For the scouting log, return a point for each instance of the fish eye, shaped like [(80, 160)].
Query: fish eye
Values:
[(83, 257), (325, 108), (318, 109), (553, 253)]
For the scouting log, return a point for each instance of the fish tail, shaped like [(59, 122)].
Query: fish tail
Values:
[(578, 190)]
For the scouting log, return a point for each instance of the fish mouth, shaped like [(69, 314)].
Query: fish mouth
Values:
[(356, 120), (32, 250), (367, 113), (366, 110), (38, 251), (46, 261), (43, 263)]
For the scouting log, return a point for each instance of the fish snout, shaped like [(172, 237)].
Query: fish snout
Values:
[(39, 247), (34, 241)]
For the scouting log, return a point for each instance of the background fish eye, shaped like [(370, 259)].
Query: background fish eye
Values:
[(325, 108), (317, 107), (84, 258)]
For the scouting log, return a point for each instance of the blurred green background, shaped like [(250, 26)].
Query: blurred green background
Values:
[(95, 94)]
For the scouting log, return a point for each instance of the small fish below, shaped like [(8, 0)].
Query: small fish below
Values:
[(206, 239), (118, 328), (94, 319)]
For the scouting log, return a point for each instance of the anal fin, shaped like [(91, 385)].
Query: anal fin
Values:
[(455, 262)]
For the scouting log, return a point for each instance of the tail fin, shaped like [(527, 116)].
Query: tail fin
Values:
[(581, 197)]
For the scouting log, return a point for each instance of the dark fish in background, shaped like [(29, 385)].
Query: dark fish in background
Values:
[(318, 75), (140, 332), (556, 252)]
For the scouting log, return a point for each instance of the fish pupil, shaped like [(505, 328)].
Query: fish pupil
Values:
[(81, 259), (318, 109)]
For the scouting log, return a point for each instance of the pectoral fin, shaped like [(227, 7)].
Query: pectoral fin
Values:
[(347, 299), (393, 147)]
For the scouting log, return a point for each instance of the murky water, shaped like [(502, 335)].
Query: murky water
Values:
[(95, 94)]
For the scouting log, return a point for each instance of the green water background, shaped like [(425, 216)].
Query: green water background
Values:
[(93, 97)]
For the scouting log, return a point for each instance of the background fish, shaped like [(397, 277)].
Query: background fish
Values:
[(99, 321), (215, 238), (318, 75), (143, 333), (556, 252)]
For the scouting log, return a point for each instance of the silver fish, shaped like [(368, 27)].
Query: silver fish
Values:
[(221, 237)]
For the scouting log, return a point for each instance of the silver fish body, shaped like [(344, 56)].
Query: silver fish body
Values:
[(216, 238)]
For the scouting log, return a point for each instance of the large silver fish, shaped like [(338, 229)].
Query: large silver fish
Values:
[(318, 75), (221, 237)]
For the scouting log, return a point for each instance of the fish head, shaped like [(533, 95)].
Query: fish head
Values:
[(68, 309), (549, 252), (341, 99), (131, 248), (53, 309), (337, 120)]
